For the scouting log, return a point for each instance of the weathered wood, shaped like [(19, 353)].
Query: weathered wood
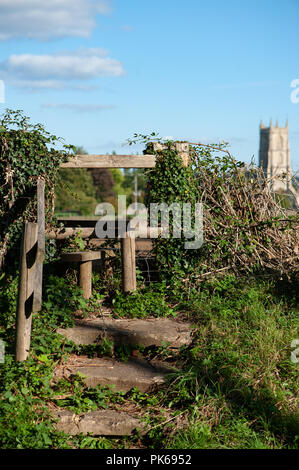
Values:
[(81, 256), (88, 232), (111, 161), (84, 258), (37, 300), (141, 244), (86, 278), (26, 290), (103, 261), (66, 232), (128, 263), (182, 148)]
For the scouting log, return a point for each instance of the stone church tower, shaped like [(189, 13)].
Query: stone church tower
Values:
[(274, 156)]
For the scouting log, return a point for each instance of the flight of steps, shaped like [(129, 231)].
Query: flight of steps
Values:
[(138, 372)]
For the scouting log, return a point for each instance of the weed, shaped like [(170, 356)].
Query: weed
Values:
[(148, 301)]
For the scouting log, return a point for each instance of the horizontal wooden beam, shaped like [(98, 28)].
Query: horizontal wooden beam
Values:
[(88, 232), (110, 161), (61, 234), (81, 256)]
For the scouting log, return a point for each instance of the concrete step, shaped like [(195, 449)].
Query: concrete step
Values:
[(123, 375), (152, 331), (97, 423)]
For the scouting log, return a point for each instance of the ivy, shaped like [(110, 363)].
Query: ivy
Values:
[(27, 151), (245, 230)]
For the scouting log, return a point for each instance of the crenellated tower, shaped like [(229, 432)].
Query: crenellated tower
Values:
[(275, 160), (274, 155)]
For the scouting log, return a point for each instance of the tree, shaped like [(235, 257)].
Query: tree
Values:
[(75, 191)]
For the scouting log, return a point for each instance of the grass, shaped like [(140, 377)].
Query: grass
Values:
[(241, 358), (237, 387)]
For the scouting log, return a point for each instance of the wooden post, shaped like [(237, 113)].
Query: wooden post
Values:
[(128, 262), (103, 261), (182, 148), (37, 300), (26, 290), (86, 278)]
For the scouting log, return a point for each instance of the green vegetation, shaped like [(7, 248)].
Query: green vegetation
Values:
[(78, 191), (235, 386), (245, 231), (26, 152), (146, 302), (238, 371), (75, 192)]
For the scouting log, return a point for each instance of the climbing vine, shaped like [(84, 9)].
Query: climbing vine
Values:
[(245, 229), (172, 182), (27, 151)]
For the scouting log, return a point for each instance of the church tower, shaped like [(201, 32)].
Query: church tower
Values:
[(274, 156)]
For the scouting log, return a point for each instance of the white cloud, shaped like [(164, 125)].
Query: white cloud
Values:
[(39, 84), (79, 107), (35, 85), (44, 19), (59, 70)]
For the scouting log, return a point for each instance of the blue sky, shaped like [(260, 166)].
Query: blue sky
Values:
[(97, 71)]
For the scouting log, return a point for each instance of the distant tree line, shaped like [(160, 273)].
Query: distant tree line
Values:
[(80, 190)]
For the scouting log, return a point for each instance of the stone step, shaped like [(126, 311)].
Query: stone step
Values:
[(123, 375), (152, 331), (96, 423)]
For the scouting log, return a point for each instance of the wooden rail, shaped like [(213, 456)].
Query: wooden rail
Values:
[(111, 161), (89, 232)]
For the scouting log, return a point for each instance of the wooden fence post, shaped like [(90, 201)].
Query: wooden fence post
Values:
[(182, 148), (128, 262), (85, 278), (26, 290), (37, 300)]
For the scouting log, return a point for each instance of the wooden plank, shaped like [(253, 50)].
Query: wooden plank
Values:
[(37, 299), (26, 290), (141, 244), (80, 256), (111, 161), (61, 234), (88, 232)]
